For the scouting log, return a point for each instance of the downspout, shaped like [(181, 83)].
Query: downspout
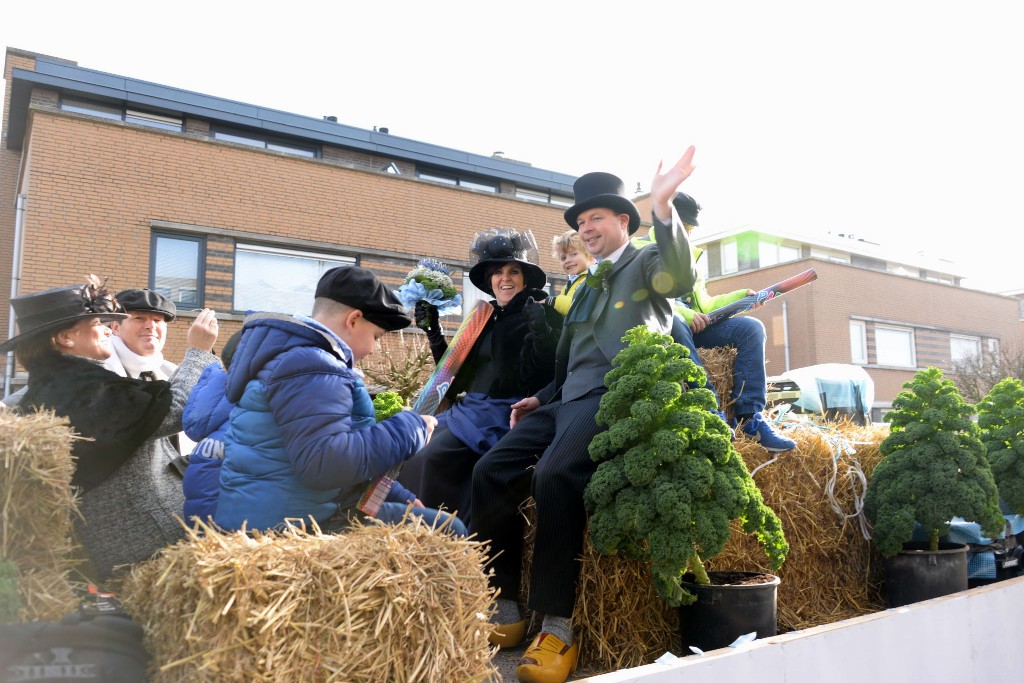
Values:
[(785, 333), (19, 227)]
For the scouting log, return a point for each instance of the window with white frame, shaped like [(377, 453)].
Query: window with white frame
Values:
[(963, 347), (470, 295), (894, 346), (730, 257), (280, 280), (858, 342), (770, 253)]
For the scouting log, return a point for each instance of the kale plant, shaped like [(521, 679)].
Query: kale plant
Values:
[(1001, 419), (670, 482), (934, 467)]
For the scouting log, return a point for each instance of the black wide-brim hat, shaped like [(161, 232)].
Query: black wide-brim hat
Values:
[(498, 246), (59, 308), (599, 190)]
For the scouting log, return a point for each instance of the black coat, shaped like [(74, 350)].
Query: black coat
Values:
[(522, 360), (116, 413)]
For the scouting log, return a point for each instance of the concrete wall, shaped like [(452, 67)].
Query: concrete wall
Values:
[(969, 637)]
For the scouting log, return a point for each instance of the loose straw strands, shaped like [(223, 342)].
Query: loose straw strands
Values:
[(36, 504), (376, 603)]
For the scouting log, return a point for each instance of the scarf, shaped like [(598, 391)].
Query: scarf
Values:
[(127, 363)]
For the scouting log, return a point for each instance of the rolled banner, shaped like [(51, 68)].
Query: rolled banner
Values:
[(763, 296), (432, 394)]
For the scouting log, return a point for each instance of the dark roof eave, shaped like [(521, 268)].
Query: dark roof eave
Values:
[(71, 78)]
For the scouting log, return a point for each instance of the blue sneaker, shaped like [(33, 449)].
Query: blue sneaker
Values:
[(759, 430)]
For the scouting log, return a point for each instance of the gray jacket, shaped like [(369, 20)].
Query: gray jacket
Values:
[(135, 512)]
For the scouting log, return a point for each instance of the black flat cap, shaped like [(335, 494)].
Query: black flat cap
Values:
[(147, 300), (687, 208), (359, 288)]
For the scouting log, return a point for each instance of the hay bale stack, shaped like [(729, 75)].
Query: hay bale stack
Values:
[(36, 504), (377, 603), (832, 572)]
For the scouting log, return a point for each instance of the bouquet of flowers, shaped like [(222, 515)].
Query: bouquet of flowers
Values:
[(430, 281)]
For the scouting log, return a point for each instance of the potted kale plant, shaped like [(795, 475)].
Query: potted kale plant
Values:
[(668, 486), (1001, 419), (934, 469)]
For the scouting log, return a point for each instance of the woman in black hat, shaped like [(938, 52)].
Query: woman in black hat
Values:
[(129, 493), (513, 357)]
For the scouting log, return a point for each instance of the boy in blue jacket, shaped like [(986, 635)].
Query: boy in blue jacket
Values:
[(302, 441)]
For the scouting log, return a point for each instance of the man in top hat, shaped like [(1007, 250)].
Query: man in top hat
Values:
[(303, 442), (635, 287), (691, 328)]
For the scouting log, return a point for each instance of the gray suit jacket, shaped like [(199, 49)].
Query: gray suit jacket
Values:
[(641, 286)]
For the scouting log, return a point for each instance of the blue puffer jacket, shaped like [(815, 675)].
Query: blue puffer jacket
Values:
[(205, 421), (301, 440)]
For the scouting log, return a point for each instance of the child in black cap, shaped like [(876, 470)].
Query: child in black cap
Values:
[(303, 442)]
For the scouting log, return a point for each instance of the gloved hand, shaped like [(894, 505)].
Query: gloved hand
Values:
[(536, 319), (427, 318)]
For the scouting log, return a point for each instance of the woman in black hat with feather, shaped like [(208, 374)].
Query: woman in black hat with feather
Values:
[(128, 500), (513, 357)]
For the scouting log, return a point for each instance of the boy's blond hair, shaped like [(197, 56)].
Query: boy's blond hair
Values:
[(570, 239)]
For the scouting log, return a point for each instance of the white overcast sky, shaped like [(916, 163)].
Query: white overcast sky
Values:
[(901, 122)]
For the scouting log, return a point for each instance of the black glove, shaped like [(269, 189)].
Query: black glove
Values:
[(536, 319), (426, 318)]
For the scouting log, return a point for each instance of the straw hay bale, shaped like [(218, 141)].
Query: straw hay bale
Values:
[(718, 362), (377, 603), (36, 504), (618, 619), (832, 571)]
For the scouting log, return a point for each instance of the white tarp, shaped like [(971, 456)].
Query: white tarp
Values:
[(833, 386)]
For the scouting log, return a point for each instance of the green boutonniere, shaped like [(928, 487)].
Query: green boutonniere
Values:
[(599, 278)]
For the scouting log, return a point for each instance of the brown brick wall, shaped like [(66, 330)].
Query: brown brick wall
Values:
[(817, 317), (97, 186)]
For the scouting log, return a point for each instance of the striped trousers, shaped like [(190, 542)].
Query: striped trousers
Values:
[(545, 456)]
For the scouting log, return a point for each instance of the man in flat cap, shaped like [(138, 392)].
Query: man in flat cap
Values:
[(138, 340), (303, 442), (138, 347)]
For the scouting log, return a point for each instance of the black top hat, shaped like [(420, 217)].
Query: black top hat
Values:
[(601, 190), (360, 289), (498, 246), (57, 309), (147, 300), (687, 208)]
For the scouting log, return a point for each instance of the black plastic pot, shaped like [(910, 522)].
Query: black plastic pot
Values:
[(917, 573), (723, 613)]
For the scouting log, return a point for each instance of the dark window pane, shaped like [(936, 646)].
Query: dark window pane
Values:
[(176, 269)]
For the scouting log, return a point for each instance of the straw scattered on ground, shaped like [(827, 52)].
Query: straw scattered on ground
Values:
[(377, 603), (36, 505)]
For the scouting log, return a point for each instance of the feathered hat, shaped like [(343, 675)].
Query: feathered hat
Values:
[(498, 246), (56, 309)]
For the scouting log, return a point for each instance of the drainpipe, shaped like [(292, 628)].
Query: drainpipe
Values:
[(19, 226), (785, 333)]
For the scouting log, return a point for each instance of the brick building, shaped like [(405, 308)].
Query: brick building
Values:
[(888, 312), (236, 207), (228, 205)]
